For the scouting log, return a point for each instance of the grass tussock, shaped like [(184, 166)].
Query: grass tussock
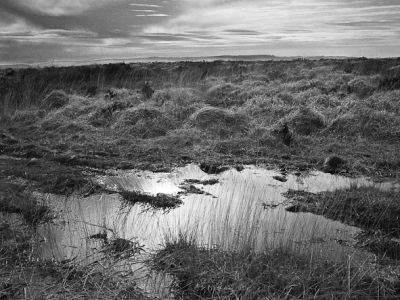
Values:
[(224, 95), (159, 201), (202, 273), (105, 115), (361, 86), (121, 248), (73, 115), (202, 182), (379, 125), (176, 95), (26, 117), (54, 100), (305, 121), (220, 122), (144, 122), (15, 200)]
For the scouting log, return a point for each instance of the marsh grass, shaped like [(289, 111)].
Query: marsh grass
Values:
[(25, 276), (15, 200), (375, 211), (202, 182), (49, 177), (204, 273), (159, 201), (365, 207)]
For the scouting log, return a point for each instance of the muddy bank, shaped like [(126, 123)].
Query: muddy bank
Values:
[(49, 176)]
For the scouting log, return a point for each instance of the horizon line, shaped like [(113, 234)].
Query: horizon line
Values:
[(182, 58)]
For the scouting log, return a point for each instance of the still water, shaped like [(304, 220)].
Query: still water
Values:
[(245, 210)]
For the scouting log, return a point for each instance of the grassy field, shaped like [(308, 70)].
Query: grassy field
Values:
[(59, 126)]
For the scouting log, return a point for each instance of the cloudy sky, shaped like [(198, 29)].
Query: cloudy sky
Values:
[(47, 30)]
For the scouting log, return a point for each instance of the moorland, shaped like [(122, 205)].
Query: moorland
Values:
[(60, 126)]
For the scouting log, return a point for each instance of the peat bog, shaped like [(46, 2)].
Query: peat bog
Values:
[(267, 179)]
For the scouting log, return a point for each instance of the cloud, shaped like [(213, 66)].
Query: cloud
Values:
[(59, 7), (241, 32), (143, 10), (85, 28), (145, 5), (268, 21), (153, 15)]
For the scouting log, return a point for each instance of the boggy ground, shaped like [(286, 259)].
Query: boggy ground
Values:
[(60, 126), (220, 112)]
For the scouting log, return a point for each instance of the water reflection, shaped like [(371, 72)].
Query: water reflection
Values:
[(245, 211), (233, 219)]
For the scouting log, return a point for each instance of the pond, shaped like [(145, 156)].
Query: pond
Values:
[(242, 210)]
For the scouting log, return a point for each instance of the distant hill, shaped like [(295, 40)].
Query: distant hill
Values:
[(167, 59)]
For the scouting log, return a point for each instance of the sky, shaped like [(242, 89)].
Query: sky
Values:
[(53, 30)]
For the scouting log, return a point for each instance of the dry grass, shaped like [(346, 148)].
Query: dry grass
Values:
[(144, 122), (377, 125), (224, 95), (220, 122), (305, 121), (55, 100), (219, 103)]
